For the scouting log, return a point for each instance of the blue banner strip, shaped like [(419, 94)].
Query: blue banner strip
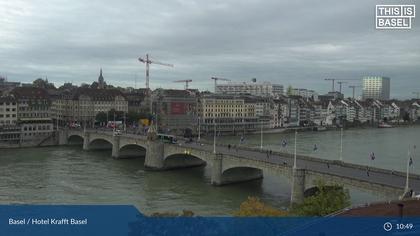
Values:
[(127, 220)]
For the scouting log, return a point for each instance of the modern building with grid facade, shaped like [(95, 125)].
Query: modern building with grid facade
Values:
[(376, 87)]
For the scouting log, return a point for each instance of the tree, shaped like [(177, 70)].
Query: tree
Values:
[(327, 199), (254, 207), (67, 86), (134, 117), (40, 83), (289, 90), (101, 117), (94, 85), (119, 115), (406, 116)]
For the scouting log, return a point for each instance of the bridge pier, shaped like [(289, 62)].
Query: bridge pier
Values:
[(116, 147), (298, 186), (86, 141), (154, 155), (62, 137), (216, 171)]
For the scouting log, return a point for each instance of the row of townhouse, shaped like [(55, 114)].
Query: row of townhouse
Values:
[(82, 105), (25, 115), (31, 114), (299, 111)]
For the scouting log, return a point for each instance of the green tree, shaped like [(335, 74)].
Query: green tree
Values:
[(326, 200), (406, 116), (40, 83), (101, 117), (94, 85), (289, 90), (119, 115), (254, 207), (133, 116)]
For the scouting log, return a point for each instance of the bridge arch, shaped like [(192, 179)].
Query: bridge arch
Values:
[(240, 174), (182, 160), (100, 144), (75, 139), (132, 150)]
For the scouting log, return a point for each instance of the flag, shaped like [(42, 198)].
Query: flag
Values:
[(372, 156), (284, 143), (410, 163), (315, 147)]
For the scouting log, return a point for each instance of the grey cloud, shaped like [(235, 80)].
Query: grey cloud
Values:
[(290, 42)]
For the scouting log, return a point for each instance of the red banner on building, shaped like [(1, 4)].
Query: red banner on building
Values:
[(178, 108)]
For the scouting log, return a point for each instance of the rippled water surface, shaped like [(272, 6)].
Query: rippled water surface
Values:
[(72, 176)]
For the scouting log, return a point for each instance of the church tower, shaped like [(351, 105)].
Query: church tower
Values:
[(101, 81)]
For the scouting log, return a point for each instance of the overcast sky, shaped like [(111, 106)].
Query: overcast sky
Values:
[(293, 42)]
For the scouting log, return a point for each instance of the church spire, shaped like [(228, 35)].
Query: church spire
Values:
[(101, 81)]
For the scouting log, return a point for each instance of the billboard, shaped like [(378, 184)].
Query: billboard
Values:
[(179, 108)]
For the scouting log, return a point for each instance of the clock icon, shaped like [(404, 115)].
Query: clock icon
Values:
[(387, 226)]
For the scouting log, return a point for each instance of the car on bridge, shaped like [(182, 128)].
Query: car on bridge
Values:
[(117, 132)]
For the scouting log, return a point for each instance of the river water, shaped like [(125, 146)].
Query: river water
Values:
[(69, 175)]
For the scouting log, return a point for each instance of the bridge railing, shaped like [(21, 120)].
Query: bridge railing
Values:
[(304, 157), (326, 161)]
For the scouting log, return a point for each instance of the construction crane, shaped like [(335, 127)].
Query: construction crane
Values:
[(147, 61), (186, 81), (341, 83), (418, 94), (215, 81), (333, 83), (354, 87)]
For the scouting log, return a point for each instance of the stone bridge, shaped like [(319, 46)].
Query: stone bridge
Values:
[(232, 165)]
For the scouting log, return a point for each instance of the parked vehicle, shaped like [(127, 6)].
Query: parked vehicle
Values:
[(167, 138)]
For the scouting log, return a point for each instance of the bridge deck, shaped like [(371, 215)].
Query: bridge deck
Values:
[(394, 179), (375, 175)]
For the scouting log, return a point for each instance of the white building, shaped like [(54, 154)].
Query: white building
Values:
[(305, 93), (8, 111), (376, 87), (264, 89)]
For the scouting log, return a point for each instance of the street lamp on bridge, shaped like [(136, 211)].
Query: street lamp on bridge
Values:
[(261, 145), (214, 135), (295, 153), (341, 144), (199, 129)]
